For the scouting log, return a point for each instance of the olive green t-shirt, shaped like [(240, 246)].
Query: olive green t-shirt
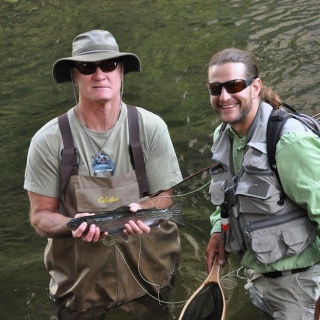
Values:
[(42, 173)]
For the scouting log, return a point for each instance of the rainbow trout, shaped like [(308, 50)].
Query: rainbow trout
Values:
[(113, 221)]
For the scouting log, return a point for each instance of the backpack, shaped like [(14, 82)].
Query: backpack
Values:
[(276, 122)]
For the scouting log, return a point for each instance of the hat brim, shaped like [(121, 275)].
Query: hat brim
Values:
[(61, 68)]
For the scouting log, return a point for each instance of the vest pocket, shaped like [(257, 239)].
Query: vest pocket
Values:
[(266, 249), (218, 178), (258, 195), (295, 239), (280, 237)]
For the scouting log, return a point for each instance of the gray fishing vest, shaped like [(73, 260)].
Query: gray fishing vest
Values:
[(258, 222)]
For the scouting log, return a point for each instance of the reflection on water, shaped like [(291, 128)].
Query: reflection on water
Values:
[(174, 40)]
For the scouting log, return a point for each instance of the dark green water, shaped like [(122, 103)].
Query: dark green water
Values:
[(174, 40)]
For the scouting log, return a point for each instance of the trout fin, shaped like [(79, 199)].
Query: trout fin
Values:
[(121, 235), (122, 209), (175, 209), (124, 236)]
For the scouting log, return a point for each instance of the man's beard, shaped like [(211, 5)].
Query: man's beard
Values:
[(245, 108)]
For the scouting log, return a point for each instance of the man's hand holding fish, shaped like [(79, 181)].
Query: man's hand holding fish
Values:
[(138, 227), (92, 232)]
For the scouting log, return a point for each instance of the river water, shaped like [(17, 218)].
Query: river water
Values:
[(174, 40)]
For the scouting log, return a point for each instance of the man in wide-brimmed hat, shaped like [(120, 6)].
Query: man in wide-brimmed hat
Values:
[(100, 155)]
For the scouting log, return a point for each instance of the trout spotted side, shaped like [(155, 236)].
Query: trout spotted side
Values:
[(113, 221)]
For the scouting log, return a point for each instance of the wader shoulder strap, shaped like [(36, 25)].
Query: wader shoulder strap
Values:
[(136, 149), (69, 161)]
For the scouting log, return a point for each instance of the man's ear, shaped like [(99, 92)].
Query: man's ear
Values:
[(121, 66), (74, 77), (256, 88)]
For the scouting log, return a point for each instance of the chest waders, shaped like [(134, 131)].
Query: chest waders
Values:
[(86, 275)]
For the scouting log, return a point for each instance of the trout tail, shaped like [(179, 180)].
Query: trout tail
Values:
[(175, 209)]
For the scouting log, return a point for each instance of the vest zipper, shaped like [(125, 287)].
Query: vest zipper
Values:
[(252, 225)]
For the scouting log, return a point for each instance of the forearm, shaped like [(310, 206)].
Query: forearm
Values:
[(162, 200), (45, 217), (50, 224)]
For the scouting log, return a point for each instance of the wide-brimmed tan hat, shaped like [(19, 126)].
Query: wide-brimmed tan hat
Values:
[(93, 46)]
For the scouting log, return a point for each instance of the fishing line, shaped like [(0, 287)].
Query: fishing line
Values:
[(112, 242), (187, 178), (228, 279), (185, 194), (108, 243), (157, 286)]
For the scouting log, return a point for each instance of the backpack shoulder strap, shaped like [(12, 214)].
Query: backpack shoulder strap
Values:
[(136, 150), (276, 122), (223, 127), (69, 160)]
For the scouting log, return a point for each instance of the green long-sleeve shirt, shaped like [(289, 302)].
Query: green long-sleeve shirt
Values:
[(298, 159)]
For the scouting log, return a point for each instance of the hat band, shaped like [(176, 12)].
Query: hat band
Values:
[(96, 51)]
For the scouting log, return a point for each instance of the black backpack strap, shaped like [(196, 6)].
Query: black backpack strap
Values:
[(275, 125), (69, 160), (136, 150), (223, 127), (277, 120)]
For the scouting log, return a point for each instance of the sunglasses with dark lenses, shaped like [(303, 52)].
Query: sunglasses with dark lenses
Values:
[(232, 86), (90, 67)]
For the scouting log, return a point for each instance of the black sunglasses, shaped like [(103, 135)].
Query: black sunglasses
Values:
[(90, 67), (232, 86)]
